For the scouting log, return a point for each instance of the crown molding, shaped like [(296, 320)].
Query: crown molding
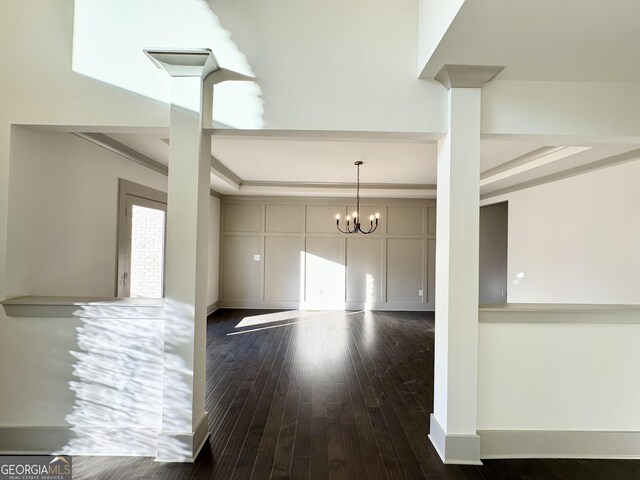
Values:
[(466, 76)]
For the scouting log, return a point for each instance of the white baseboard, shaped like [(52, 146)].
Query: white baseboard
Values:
[(454, 448), (559, 444), (396, 306), (213, 307), (117, 441), (183, 447)]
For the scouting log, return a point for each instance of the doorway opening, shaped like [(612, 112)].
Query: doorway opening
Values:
[(494, 236)]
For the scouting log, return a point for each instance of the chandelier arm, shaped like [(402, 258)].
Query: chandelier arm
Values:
[(371, 229)]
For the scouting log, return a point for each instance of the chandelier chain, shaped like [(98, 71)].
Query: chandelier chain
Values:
[(358, 194)]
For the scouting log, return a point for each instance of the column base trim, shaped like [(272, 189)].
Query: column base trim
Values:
[(559, 444), (454, 448), (182, 447)]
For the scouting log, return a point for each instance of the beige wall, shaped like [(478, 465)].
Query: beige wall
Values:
[(286, 253), (214, 251), (493, 253)]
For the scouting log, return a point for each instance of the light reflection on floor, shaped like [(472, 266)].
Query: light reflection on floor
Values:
[(301, 315)]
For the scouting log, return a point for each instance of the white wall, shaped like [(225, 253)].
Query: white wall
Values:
[(434, 19), (336, 65), (578, 111), (576, 240), (569, 377)]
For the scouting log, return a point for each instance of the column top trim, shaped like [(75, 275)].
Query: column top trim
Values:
[(195, 62), (467, 76)]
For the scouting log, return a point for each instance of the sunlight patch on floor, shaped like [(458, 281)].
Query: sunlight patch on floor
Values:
[(302, 316)]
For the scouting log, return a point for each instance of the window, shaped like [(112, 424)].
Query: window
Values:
[(141, 241)]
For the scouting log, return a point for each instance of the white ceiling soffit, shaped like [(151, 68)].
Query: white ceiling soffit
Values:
[(530, 161), (288, 165), (568, 40)]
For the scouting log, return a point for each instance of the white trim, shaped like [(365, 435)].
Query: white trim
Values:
[(379, 306), (190, 442), (85, 307), (123, 150), (631, 156), (559, 444), (129, 192), (213, 307), (28, 440), (458, 449)]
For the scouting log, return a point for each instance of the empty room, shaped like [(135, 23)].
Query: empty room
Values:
[(319, 240)]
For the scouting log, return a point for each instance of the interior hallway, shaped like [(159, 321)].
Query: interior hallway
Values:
[(340, 395)]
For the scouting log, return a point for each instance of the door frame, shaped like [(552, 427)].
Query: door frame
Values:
[(128, 191)]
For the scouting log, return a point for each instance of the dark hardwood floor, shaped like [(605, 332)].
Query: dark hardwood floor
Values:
[(327, 396)]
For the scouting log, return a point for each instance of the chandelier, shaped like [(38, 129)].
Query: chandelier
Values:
[(356, 228)]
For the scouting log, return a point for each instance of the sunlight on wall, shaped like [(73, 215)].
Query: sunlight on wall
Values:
[(178, 382), (324, 282), (518, 278), (118, 387), (108, 39), (370, 292)]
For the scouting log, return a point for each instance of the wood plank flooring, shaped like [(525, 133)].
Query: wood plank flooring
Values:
[(327, 396)]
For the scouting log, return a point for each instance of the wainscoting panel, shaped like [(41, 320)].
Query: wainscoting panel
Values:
[(364, 270), (404, 269), (241, 272), (283, 259), (285, 252)]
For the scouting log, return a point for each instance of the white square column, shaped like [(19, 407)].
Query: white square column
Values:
[(184, 426), (184, 421), (453, 429)]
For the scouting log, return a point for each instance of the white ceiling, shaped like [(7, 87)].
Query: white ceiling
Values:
[(327, 161), (264, 164), (568, 40)]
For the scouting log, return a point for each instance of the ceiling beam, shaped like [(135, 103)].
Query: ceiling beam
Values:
[(631, 156), (529, 161)]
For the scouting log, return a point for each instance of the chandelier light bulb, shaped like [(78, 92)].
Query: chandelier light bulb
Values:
[(377, 215), (348, 218), (338, 217), (355, 214), (371, 218)]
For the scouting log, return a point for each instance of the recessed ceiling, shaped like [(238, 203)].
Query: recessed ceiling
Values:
[(326, 161), (267, 164)]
